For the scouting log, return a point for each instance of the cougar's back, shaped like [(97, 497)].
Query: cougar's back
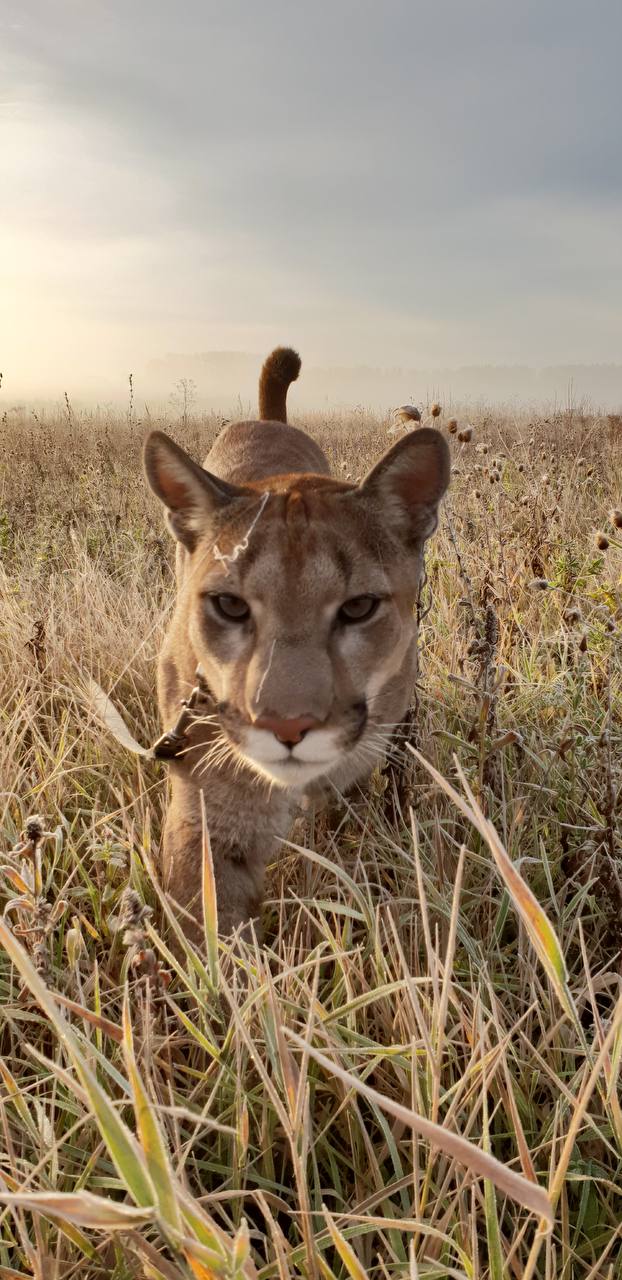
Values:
[(249, 451)]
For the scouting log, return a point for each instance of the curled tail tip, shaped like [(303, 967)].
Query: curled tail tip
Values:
[(283, 364), (280, 368)]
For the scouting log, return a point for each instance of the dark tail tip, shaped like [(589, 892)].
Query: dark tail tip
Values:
[(281, 367)]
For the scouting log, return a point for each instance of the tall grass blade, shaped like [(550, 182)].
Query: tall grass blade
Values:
[(149, 1131), (512, 1184), (538, 926), (121, 1143)]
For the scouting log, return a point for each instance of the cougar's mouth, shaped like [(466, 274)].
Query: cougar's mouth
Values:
[(317, 755)]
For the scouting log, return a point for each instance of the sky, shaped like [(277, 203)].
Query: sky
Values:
[(390, 183)]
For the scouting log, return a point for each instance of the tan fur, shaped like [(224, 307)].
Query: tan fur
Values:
[(265, 522)]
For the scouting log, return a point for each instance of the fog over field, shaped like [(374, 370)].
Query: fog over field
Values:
[(219, 377), (226, 382)]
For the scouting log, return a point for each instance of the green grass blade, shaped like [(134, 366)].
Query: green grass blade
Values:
[(149, 1131), (538, 926), (120, 1141)]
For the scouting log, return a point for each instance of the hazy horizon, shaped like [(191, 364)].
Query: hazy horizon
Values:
[(404, 186), (226, 382)]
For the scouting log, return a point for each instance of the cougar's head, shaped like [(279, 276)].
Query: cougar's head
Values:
[(298, 599)]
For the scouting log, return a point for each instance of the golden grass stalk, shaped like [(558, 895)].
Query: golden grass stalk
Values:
[(537, 924), (479, 1163)]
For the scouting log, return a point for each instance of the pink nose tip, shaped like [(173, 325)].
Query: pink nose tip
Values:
[(288, 732)]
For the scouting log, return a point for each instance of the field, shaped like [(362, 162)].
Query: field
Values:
[(162, 1119)]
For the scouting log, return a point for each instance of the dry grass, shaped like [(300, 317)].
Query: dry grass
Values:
[(410, 957)]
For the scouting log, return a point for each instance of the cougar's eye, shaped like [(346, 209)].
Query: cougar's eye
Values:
[(233, 608), (358, 609)]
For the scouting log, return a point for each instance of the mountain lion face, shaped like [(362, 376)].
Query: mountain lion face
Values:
[(297, 597)]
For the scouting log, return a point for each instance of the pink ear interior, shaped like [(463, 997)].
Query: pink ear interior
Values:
[(174, 491)]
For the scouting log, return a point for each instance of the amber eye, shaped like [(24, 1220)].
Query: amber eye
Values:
[(358, 609), (233, 608)]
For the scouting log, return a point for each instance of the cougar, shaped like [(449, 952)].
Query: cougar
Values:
[(296, 598)]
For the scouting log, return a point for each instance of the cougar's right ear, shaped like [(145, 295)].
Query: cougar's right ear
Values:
[(189, 493)]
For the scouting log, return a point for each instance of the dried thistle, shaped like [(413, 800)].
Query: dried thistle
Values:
[(34, 829), (465, 435), (573, 614), (539, 584), (602, 541), (452, 426), (133, 917), (408, 413), (35, 916), (41, 960), (615, 517), (436, 410)]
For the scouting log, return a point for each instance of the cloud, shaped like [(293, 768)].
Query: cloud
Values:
[(363, 178)]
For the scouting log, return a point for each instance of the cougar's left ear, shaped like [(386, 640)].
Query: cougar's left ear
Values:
[(409, 482), (190, 494)]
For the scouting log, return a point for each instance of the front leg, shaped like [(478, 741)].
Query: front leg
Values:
[(244, 833)]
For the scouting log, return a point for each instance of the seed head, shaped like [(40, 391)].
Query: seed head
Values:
[(521, 467), (602, 541), (41, 960), (34, 828), (435, 410), (452, 426), (573, 614), (408, 413), (465, 435), (132, 914), (539, 584), (583, 643), (616, 518), (74, 943)]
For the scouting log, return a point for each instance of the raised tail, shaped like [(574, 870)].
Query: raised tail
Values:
[(280, 368)]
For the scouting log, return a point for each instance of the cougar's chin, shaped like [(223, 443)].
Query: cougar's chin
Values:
[(317, 754), (291, 774)]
